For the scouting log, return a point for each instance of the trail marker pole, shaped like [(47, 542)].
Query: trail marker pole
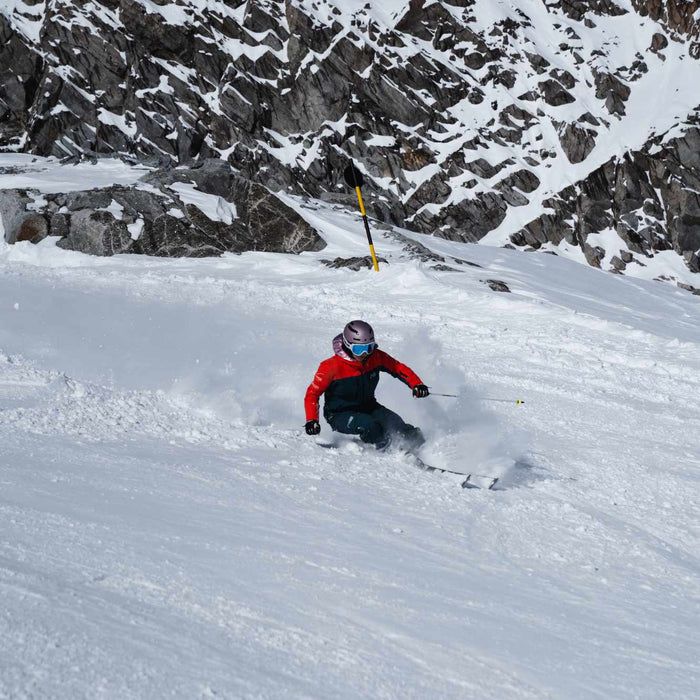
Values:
[(354, 179)]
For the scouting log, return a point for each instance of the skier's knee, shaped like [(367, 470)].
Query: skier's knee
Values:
[(375, 434)]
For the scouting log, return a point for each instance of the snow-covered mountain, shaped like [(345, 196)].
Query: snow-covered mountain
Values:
[(565, 126)]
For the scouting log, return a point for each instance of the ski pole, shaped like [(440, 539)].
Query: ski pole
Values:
[(518, 402), (354, 179)]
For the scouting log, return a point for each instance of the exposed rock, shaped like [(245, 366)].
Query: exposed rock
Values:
[(460, 261), (497, 285), (693, 261), (21, 66), (415, 249), (158, 221), (523, 180), (658, 42), (539, 63), (469, 220), (678, 16), (433, 190), (13, 211), (272, 225), (444, 268), (689, 288), (356, 264), (617, 263), (554, 93), (649, 197), (577, 9), (594, 254), (211, 175), (516, 183), (96, 233), (577, 142), (612, 90), (564, 77), (33, 229), (59, 225), (170, 237)]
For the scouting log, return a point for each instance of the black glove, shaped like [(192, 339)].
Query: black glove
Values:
[(420, 391), (312, 427)]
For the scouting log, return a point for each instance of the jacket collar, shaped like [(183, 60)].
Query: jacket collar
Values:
[(340, 351)]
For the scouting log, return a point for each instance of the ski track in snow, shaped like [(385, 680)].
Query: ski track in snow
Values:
[(168, 529)]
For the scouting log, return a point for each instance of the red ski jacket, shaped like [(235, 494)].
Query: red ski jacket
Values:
[(349, 384)]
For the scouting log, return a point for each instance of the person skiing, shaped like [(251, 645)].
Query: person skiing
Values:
[(348, 380)]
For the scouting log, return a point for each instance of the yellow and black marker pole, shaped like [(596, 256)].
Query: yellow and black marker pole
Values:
[(354, 179)]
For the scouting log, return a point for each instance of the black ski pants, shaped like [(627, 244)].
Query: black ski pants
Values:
[(379, 427)]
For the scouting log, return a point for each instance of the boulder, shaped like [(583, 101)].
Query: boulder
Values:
[(171, 237), (96, 233), (156, 218), (270, 224), (33, 229), (13, 212)]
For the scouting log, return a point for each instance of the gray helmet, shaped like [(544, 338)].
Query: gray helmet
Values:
[(358, 333)]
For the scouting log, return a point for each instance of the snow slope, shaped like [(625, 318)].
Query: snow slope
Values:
[(169, 531)]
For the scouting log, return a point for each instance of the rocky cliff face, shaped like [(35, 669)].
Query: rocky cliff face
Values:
[(630, 208), (550, 123)]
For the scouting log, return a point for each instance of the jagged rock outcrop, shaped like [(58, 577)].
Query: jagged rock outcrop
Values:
[(678, 16), (456, 111), (182, 212), (649, 198)]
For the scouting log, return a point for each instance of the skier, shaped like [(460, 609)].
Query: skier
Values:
[(348, 380)]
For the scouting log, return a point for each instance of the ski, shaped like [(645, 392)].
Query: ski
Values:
[(428, 467), (491, 481), (468, 483)]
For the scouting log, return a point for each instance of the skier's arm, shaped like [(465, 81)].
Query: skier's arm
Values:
[(398, 369), (322, 380)]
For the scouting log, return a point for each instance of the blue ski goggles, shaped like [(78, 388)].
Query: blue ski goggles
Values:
[(359, 349)]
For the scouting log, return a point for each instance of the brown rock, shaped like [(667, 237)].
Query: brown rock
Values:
[(658, 42), (33, 229)]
